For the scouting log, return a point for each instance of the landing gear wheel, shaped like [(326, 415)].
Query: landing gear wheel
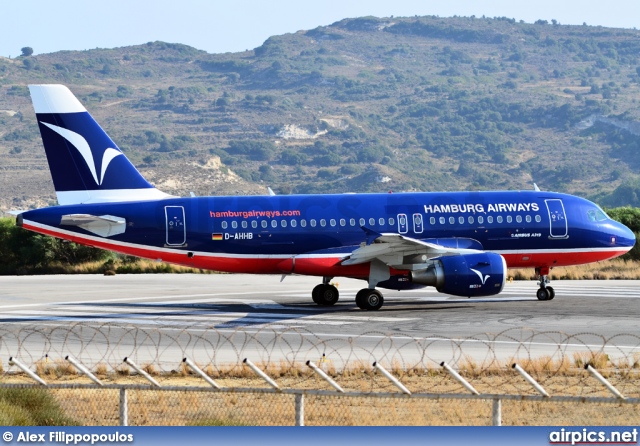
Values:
[(543, 294), (325, 295), (360, 296), (369, 299), (552, 292)]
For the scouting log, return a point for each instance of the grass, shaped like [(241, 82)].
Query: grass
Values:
[(112, 267), (32, 407)]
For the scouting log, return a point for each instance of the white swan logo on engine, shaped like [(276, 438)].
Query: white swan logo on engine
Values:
[(483, 279), (82, 146)]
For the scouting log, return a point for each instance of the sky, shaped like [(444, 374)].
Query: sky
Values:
[(219, 26)]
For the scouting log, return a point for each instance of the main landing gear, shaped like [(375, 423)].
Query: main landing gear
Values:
[(544, 292), (326, 295), (369, 299)]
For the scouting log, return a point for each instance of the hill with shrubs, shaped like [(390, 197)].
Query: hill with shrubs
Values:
[(365, 104)]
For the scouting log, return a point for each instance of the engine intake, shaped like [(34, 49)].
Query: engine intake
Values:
[(470, 275)]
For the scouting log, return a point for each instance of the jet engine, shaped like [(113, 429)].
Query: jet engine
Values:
[(470, 275)]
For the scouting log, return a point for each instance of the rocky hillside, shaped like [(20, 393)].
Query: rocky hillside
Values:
[(366, 104)]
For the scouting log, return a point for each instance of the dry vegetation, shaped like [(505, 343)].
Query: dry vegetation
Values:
[(615, 269), (565, 377)]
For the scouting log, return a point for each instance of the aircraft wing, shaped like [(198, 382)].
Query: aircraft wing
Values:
[(102, 225), (395, 249)]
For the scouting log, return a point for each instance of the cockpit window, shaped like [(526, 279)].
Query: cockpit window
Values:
[(596, 215)]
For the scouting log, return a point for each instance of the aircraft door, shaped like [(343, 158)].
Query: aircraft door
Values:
[(558, 226), (176, 228), (403, 225)]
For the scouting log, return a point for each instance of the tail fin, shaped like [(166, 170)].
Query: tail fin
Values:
[(86, 165)]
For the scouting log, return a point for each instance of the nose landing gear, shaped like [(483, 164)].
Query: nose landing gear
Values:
[(544, 292)]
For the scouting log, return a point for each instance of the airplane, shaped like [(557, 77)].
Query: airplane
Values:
[(461, 243)]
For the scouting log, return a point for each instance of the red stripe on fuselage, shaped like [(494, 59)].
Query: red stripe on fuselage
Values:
[(307, 265)]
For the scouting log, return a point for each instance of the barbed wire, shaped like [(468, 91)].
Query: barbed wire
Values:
[(555, 359)]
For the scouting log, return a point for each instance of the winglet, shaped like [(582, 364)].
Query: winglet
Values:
[(371, 234)]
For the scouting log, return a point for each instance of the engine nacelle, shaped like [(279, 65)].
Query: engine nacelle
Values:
[(469, 275)]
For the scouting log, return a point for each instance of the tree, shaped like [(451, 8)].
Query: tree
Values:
[(27, 51)]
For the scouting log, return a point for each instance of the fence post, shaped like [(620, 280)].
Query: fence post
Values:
[(299, 409), (25, 369), (124, 412), (497, 412), (604, 381)]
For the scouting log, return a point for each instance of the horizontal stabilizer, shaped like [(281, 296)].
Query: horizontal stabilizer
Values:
[(103, 225)]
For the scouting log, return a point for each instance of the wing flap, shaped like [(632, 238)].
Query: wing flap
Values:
[(394, 249)]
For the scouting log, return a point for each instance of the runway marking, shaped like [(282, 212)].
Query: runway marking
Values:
[(209, 308)]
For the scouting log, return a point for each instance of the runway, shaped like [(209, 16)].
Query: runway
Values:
[(238, 315)]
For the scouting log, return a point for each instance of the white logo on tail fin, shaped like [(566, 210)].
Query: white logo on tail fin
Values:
[(82, 146), (482, 279)]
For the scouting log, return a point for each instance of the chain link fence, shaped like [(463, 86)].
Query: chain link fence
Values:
[(178, 406)]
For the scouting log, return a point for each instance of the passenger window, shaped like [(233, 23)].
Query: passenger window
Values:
[(442, 220), (294, 223), (480, 219), (303, 223), (372, 222), (332, 222), (489, 219), (509, 219), (452, 220), (313, 223), (224, 225), (381, 221), (499, 219), (461, 220), (392, 221), (362, 222), (403, 227), (518, 218), (274, 224), (264, 223), (528, 218), (283, 223), (471, 220), (323, 222), (244, 224), (538, 219), (234, 224), (343, 222), (417, 223), (352, 221), (254, 224), (432, 220)]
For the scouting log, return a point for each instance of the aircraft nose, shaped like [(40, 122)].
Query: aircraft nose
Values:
[(625, 236)]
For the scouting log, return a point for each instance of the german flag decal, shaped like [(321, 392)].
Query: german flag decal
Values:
[(216, 236)]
